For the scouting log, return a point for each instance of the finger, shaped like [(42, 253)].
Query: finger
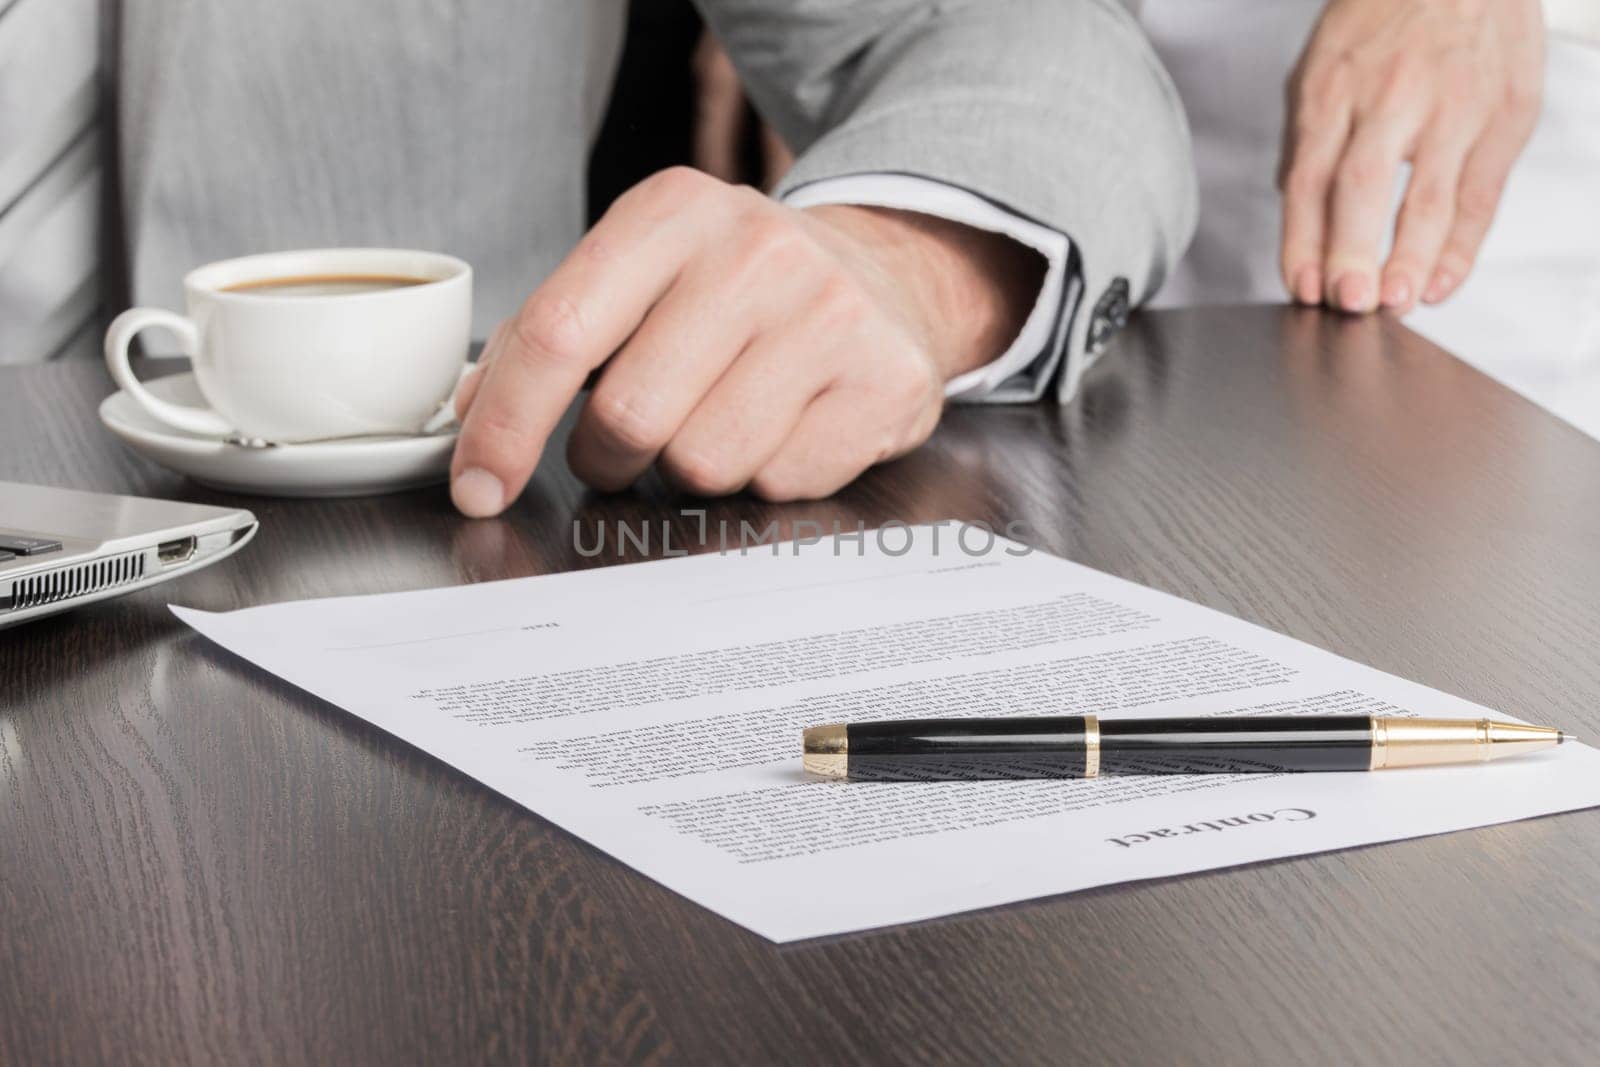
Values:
[(573, 322), (1312, 149), (718, 305), (748, 414), (650, 387), (840, 434), (1483, 180), (1424, 223), (776, 158), (1359, 204), (468, 389), (720, 113)]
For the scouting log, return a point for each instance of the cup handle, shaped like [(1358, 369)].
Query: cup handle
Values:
[(202, 421)]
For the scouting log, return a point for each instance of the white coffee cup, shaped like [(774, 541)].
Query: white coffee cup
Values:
[(282, 355)]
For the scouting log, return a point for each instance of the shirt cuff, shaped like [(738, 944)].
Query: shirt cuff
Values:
[(1023, 370)]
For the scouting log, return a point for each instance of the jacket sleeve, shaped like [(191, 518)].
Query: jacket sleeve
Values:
[(1058, 110)]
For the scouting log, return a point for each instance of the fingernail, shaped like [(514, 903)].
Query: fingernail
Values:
[(477, 493), (1397, 292), (1308, 286), (1440, 287), (1354, 293)]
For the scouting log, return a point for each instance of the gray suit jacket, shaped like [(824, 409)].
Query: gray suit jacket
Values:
[(248, 126)]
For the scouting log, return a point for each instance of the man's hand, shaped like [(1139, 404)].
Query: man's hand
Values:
[(749, 344), (1453, 87)]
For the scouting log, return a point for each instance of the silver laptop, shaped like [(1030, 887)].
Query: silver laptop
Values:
[(60, 548)]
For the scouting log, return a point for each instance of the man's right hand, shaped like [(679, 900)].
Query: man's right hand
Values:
[(745, 343)]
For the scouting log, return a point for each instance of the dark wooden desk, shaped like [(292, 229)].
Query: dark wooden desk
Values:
[(201, 864)]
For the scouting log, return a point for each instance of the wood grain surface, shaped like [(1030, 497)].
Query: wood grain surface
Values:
[(202, 864)]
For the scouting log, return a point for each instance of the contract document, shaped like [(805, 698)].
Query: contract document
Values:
[(655, 710)]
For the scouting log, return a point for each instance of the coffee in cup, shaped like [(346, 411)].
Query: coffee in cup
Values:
[(326, 284), (298, 346)]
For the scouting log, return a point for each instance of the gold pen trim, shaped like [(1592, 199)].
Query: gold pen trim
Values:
[(1091, 746)]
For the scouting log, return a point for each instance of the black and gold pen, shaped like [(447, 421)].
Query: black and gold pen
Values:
[(1083, 746)]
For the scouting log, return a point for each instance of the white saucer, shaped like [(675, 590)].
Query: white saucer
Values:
[(360, 466)]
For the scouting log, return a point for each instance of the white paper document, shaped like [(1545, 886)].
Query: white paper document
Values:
[(655, 710)]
